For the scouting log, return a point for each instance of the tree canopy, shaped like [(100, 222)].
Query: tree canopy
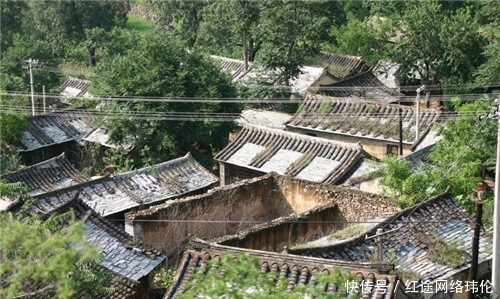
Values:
[(170, 71), (446, 48), (460, 161), (48, 259)]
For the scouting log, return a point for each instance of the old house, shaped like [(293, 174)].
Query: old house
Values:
[(340, 66), (309, 76), (54, 133), (259, 150), (431, 241), (131, 262), (74, 88), (293, 269), (49, 175), (364, 85), (112, 196), (372, 124), (265, 206)]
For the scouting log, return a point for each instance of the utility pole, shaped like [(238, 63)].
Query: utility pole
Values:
[(495, 277), (417, 118), (400, 112), (43, 94), (32, 63), (475, 240)]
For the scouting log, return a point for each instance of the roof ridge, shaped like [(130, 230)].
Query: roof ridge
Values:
[(300, 136), (58, 157)]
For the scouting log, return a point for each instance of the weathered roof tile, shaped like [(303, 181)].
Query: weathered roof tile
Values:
[(56, 127), (413, 241), (294, 269), (361, 118), (46, 176), (110, 195), (305, 157)]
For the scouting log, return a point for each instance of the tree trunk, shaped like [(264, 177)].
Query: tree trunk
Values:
[(91, 56), (245, 51)]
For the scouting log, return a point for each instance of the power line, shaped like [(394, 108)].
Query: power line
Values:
[(231, 100)]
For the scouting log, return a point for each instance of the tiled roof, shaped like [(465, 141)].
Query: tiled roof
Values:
[(296, 155), (128, 258), (74, 87), (411, 236), (46, 176), (307, 77), (295, 269), (419, 158), (56, 127), (233, 66), (236, 68), (386, 73), (364, 85), (122, 254), (270, 119), (361, 118), (110, 195), (342, 66)]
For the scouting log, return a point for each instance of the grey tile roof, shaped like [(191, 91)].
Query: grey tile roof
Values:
[(364, 85), (361, 118), (342, 66), (121, 253), (296, 155), (56, 127), (270, 119), (74, 87), (110, 195), (410, 238), (294, 269), (46, 176), (234, 67), (419, 158)]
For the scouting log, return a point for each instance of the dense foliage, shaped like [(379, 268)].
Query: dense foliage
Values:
[(48, 259), (460, 161), (170, 70)]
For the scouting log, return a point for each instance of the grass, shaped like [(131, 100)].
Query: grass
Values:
[(349, 231), (139, 24)]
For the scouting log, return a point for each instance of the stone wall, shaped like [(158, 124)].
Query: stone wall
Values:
[(274, 236), (344, 206), (232, 209)]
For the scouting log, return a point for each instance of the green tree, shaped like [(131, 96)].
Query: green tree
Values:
[(231, 28), (13, 74), (446, 48), (459, 161), (170, 71), (12, 127), (244, 279), (294, 30), (182, 17), (368, 38), (489, 71), (62, 21), (48, 259), (11, 19)]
